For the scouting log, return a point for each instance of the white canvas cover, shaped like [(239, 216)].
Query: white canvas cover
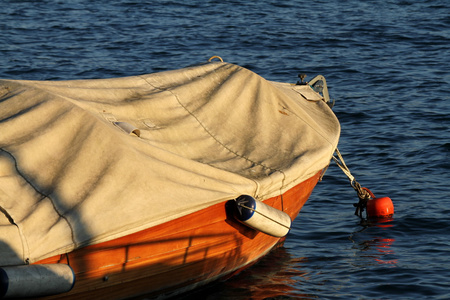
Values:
[(87, 161)]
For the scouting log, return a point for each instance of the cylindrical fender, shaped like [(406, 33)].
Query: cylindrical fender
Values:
[(262, 217), (35, 280)]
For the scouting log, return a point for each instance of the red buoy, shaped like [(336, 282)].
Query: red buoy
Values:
[(379, 207)]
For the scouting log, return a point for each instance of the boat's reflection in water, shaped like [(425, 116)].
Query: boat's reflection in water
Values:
[(281, 273), (276, 276)]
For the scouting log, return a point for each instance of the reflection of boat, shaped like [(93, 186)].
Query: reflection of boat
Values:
[(279, 275), (129, 184)]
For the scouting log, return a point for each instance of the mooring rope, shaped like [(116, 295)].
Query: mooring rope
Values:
[(363, 194)]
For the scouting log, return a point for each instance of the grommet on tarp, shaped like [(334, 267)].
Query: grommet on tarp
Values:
[(128, 128), (375, 207)]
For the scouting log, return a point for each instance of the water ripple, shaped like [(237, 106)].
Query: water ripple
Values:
[(387, 65)]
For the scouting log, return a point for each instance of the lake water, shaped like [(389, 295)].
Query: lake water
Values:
[(387, 64)]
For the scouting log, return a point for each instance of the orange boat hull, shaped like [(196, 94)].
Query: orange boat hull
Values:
[(176, 256)]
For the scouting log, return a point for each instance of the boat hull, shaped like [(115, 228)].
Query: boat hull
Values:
[(176, 256)]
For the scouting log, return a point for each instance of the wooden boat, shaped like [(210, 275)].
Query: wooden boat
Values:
[(115, 188)]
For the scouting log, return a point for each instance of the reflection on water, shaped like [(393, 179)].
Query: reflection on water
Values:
[(378, 248), (383, 246), (283, 274), (276, 276)]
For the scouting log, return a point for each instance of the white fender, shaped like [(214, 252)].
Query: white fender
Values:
[(35, 280), (262, 217)]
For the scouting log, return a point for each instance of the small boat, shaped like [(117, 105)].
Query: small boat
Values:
[(153, 184)]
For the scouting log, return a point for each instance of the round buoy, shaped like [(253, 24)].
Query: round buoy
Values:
[(380, 207)]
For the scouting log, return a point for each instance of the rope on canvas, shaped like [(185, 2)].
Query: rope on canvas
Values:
[(363, 194)]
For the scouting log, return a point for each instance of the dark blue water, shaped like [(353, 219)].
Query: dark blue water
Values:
[(387, 64)]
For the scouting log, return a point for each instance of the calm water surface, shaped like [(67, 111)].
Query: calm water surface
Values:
[(387, 65)]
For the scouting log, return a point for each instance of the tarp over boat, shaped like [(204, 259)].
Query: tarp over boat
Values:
[(72, 174)]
